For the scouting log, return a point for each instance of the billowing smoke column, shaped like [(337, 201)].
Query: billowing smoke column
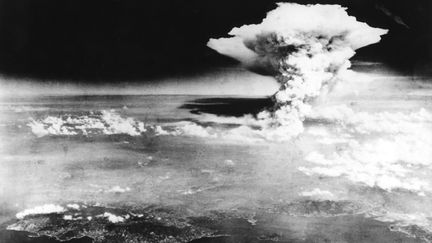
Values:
[(304, 47)]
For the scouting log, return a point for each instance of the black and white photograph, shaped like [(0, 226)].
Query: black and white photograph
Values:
[(215, 121)]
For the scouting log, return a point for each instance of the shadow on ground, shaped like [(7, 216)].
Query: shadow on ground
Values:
[(228, 106)]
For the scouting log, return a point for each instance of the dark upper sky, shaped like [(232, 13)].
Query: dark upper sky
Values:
[(139, 39)]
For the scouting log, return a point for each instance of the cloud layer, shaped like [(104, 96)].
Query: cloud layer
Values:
[(104, 122)]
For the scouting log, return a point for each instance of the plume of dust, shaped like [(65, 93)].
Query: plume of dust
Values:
[(304, 47)]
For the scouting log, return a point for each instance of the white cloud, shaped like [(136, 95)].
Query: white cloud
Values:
[(397, 146), (118, 189), (44, 209), (318, 193), (73, 206), (113, 218), (104, 122)]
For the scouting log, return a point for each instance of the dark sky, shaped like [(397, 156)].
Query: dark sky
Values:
[(99, 40)]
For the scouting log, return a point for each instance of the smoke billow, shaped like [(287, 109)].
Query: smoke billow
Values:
[(304, 47)]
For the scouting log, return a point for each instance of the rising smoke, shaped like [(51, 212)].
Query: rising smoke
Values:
[(304, 47)]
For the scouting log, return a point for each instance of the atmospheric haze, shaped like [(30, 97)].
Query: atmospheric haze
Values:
[(331, 152)]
